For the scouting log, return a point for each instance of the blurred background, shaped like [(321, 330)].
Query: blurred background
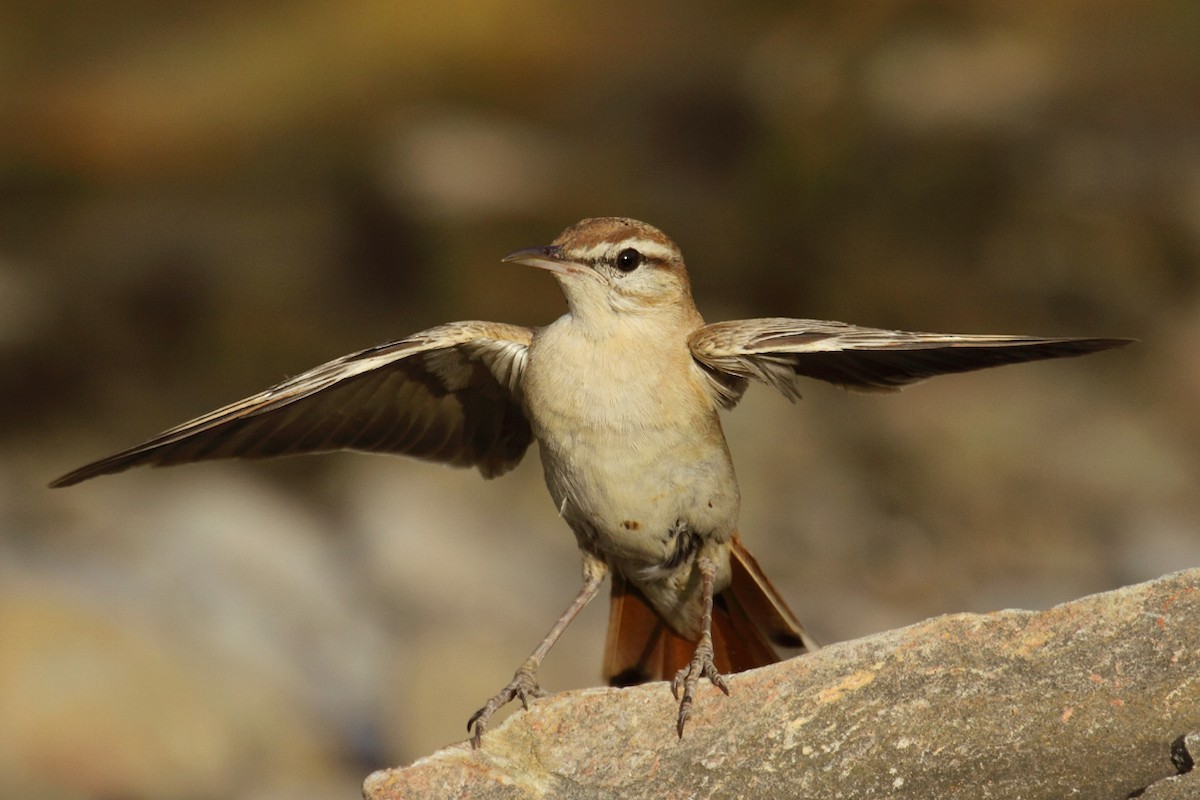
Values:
[(200, 199)]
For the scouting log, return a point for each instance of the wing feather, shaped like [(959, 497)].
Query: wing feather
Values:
[(448, 394), (775, 351)]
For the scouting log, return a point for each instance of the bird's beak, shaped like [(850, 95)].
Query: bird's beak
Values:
[(549, 257)]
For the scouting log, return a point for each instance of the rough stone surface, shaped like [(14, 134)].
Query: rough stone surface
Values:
[(1083, 700), (1185, 786)]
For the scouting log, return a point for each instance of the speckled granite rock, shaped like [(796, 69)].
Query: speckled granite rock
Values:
[(1084, 699)]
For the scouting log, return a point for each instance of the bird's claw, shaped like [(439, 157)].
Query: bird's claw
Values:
[(523, 686), (701, 666)]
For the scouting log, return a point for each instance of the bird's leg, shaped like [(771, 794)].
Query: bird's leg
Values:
[(702, 665), (524, 683)]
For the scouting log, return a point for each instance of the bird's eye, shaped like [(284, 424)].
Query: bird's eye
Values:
[(628, 260)]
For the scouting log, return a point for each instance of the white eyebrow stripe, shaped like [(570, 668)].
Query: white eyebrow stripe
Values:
[(650, 249), (591, 253), (647, 247)]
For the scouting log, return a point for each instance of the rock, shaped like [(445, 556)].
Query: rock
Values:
[(1089, 699), (1185, 786)]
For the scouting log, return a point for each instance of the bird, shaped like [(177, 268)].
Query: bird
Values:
[(622, 395)]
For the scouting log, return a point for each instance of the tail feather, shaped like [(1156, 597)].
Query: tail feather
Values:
[(738, 643), (762, 602), (640, 646), (747, 617)]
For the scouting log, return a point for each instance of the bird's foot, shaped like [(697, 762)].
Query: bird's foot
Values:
[(701, 666), (523, 686)]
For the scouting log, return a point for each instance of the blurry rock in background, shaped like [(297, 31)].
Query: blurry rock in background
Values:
[(197, 201)]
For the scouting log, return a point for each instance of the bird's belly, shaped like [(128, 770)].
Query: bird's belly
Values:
[(633, 495)]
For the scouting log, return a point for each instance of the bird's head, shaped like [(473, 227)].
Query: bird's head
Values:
[(613, 269)]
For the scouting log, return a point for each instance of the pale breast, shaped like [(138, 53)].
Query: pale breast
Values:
[(631, 445)]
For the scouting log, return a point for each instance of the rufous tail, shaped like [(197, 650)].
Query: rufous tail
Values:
[(749, 618)]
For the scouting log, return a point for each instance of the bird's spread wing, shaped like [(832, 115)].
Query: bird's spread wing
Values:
[(775, 351), (448, 394)]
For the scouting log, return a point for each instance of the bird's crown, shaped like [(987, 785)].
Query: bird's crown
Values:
[(603, 238)]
